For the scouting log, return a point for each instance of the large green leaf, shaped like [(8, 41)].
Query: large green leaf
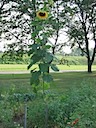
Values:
[(35, 77), (47, 78), (44, 67), (41, 52), (48, 57), (34, 59), (54, 67)]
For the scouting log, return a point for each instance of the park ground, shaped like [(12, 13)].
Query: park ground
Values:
[(23, 67)]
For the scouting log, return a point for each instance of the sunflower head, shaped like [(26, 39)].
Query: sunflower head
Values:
[(42, 15)]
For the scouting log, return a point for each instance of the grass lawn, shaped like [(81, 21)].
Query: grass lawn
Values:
[(75, 67), (61, 82), (23, 67)]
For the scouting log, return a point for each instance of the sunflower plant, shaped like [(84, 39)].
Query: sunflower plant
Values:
[(39, 51)]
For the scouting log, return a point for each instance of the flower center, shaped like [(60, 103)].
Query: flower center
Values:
[(42, 14)]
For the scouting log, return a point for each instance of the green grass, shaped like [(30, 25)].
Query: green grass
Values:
[(62, 81), (23, 67), (70, 79), (75, 67), (14, 67), (14, 76)]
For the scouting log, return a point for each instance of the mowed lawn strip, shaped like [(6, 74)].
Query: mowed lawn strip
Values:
[(14, 67), (62, 81), (23, 67), (75, 67)]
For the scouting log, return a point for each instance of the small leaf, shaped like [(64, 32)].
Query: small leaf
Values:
[(54, 67), (48, 46), (38, 40), (33, 35)]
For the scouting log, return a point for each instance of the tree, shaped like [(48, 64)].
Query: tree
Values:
[(81, 26)]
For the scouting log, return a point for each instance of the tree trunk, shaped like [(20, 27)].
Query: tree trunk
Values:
[(89, 66)]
